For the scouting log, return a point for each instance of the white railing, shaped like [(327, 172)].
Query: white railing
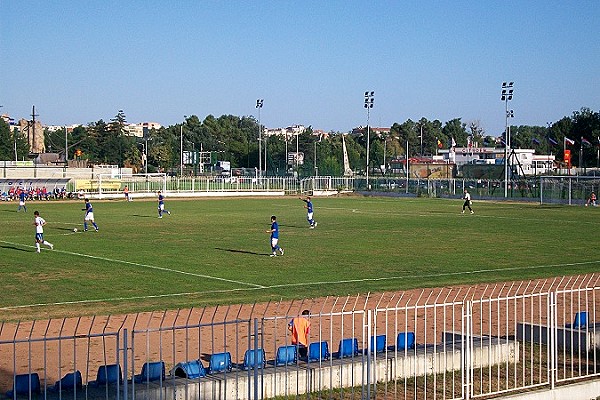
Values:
[(450, 343)]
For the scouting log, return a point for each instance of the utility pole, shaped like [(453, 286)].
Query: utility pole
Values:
[(259, 105), (32, 143)]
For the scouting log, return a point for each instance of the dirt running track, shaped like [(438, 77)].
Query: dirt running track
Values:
[(88, 342)]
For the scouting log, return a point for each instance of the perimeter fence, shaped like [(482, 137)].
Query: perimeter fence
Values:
[(571, 190), (447, 343)]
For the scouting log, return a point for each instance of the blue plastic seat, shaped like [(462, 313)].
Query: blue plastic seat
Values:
[(151, 371), (70, 381), (405, 341), (190, 369), (25, 384), (318, 351), (580, 321), (348, 348), (109, 374), (378, 343), (220, 362), (251, 359), (286, 355)]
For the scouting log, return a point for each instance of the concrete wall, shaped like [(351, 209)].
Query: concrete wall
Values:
[(576, 340), (347, 373)]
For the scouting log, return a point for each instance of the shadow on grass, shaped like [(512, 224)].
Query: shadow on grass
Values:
[(14, 248), (242, 251), (143, 216)]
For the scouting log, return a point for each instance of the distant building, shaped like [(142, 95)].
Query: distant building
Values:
[(373, 130), (523, 161), (54, 128), (288, 131), (141, 130)]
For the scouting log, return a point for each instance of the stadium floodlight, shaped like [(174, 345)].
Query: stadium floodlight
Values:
[(369, 102), (259, 105), (506, 96)]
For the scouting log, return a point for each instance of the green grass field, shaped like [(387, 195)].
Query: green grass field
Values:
[(216, 251)]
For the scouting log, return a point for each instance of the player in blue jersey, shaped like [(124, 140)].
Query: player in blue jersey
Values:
[(22, 198), (274, 231), (161, 205), (309, 212), (89, 216), (39, 223)]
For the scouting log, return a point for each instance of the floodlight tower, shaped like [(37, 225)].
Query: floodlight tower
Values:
[(507, 95), (369, 100), (259, 105)]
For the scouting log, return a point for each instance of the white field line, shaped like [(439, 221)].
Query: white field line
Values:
[(259, 287), (142, 265)]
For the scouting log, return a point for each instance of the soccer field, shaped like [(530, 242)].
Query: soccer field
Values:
[(216, 251)]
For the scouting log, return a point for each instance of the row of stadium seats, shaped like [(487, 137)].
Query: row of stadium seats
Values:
[(218, 363), (288, 355)]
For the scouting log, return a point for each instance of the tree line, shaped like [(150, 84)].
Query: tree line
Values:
[(235, 139)]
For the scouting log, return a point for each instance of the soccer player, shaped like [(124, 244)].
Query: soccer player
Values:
[(89, 216), (300, 328), (467, 203), (309, 212), (39, 223), (161, 205), (22, 197), (274, 231)]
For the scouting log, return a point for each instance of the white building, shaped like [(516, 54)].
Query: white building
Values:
[(522, 160), (138, 130), (288, 131)]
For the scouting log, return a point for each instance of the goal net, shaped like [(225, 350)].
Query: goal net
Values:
[(135, 183)]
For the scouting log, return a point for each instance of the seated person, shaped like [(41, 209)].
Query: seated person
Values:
[(591, 200)]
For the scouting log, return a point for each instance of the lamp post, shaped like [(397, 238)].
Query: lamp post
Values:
[(421, 136), (147, 138), (286, 152), (316, 168), (181, 150), (259, 105), (369, 100), (507, 95)]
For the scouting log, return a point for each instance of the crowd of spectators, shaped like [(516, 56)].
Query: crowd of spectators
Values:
[(35, 193)]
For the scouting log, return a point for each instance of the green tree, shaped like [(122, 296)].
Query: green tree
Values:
[(21, 144), (81, 140), (6, 141), (585, 129), (11, 140), (457, 130)]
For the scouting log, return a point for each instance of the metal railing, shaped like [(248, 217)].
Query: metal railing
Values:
[(451, 343)]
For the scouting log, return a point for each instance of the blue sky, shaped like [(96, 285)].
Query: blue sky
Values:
[(311, 61)]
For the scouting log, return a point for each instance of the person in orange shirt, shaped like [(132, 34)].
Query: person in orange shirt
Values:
[(300, 328), (126, 192)]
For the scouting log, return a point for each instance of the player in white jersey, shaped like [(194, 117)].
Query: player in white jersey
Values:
[(467, 203), (39, 223)]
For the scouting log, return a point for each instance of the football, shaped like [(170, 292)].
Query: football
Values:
[(74, 229)]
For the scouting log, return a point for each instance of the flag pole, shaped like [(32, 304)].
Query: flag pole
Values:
[(581, 155), (407, 165), (598, 153)]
